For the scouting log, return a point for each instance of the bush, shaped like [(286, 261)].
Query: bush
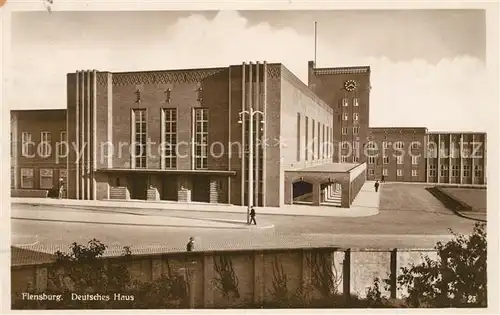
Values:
[(456, 279)]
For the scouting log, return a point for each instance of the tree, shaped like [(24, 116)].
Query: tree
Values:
[(456, 279)]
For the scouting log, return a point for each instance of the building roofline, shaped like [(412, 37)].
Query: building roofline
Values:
[(37, 110), (151, 71), (172, 70), (458, 132), (384, 128), (339, 70)]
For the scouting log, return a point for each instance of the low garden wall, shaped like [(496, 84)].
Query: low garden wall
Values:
[(254, 277)]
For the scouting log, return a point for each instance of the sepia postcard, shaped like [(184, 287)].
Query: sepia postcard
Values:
[(328, 156)]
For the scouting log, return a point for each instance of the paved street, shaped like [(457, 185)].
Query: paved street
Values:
[(410, 217)]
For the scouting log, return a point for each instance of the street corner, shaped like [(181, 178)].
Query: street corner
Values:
[(260, 226), (242, 224)]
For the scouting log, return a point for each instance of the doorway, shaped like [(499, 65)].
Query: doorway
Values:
[(138, 186), (201, 189), (169, 188)]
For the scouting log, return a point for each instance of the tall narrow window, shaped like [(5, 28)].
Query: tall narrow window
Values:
[(306, 145), (478, 171), (444, 170), (170, 137), (355, 116), (298, 137), (345, 102), (140, 138), (323, 151), (27, 142), (45, 139), (355, 101), (318, 152), (432, 170), (313, 139), (201, 138), (345, 116), (466, 170)]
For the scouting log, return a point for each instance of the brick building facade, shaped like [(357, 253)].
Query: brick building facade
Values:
[(397, 154), (456, 158), (184, 135), (347, 91), (38, 157)]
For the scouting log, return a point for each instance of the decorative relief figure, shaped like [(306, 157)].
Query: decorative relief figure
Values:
[(138, 90), (167, 95), (200, 94)]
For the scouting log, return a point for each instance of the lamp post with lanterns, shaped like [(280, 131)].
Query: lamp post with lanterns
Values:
[(250, 113)]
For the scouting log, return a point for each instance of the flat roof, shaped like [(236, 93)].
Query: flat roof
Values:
[(329, 167), (165, 171)]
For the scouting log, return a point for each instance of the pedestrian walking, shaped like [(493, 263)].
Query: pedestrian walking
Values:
[(383, 179), (252, 216), (190, 244), (376, 186)]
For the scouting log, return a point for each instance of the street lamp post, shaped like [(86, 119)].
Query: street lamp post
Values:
[(250, 113)]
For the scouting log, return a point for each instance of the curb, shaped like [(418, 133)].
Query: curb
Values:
[(152, 225), (197, 210), (454, 209), (460, 214)]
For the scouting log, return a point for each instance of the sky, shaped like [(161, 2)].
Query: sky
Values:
[(428, 66)]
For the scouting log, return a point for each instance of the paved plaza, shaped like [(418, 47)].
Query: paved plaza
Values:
[(409, 217), (366, 203)]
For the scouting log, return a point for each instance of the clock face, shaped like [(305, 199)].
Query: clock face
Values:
[(350, 85)]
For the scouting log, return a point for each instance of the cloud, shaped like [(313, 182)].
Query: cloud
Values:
[(453, 94)]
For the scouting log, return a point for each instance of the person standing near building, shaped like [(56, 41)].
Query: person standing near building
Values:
[(376, 186), (190, 244), (61, 188), (252, 216)]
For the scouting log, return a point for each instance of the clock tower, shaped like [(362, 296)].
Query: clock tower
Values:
[(347, 91)]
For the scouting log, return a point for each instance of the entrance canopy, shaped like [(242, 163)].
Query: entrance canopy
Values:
[(350, 176)]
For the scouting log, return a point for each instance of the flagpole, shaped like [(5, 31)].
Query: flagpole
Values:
[(315, 40)]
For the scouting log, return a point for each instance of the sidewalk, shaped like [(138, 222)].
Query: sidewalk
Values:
[(365, 204), (117, 218)]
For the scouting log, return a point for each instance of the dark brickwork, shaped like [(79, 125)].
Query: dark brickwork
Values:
[(330, 85), (99, 122), (35, 122), (406, 136), (457, 158)]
